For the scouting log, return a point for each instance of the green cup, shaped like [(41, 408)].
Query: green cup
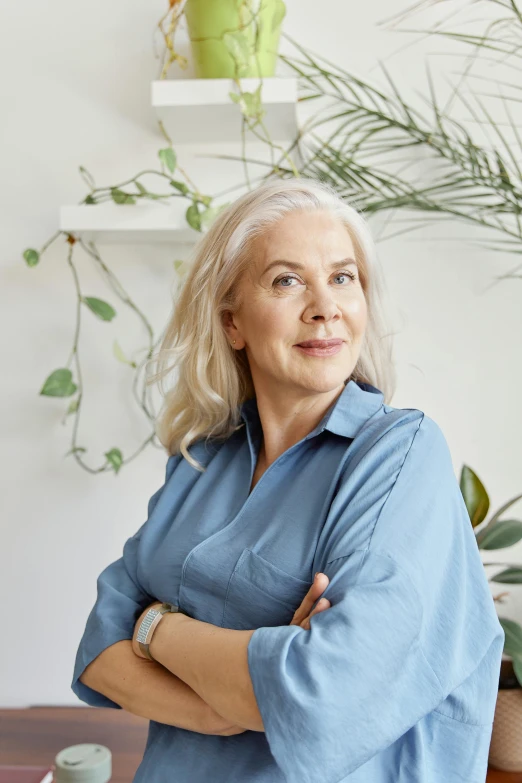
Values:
[(86, 763)]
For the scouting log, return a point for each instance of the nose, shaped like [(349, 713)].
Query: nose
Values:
[(322, 305)]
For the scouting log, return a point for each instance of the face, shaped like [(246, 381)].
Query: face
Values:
[(303, 297)]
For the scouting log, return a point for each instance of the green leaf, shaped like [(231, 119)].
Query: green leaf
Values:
[(250, 103), (168, 157), (512, 576), (120, 197), (73, 407), (239, 49), (75, 449), (513, 640), (504, 175), (141, 189), (115, 458), (89, 200), (208, 216), (87, 177), (179, 186), (100, 308), (474, 494), (502, 534), (517, 667), (193, 217), (31, 256), (59, 384), (118, 353)]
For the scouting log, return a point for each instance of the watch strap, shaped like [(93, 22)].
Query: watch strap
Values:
[(149, 624)]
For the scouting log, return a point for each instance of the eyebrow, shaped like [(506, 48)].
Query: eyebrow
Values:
[(296, 265)]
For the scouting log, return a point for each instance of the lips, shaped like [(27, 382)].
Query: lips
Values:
[(321, 343)]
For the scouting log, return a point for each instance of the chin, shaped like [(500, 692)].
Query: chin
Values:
[(325, 382)]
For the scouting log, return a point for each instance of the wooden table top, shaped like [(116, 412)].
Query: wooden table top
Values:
[(36, 734)]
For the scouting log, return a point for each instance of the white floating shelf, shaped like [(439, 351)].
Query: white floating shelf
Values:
[(141, 222), (200, 111)]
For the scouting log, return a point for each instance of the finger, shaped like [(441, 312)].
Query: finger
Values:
[(322, 604), (318, 587)]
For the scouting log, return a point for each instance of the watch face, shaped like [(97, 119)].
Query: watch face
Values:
[(145, 625)]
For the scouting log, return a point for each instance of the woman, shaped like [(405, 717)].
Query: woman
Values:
[(286, 461)]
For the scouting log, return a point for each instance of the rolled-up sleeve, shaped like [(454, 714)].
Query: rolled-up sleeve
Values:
[(332, 697), (120, 601), (411, 617)]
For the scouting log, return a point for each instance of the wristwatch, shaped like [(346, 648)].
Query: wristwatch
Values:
[(149, 624)]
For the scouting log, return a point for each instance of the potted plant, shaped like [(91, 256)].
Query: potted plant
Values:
[(505, 749), (228, 39)]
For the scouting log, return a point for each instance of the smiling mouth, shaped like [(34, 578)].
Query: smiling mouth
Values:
[(327, 348), (320, 343)]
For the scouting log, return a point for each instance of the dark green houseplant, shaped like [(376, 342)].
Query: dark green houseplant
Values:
[(497, 533)]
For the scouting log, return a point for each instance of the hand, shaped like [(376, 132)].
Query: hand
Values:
[(302, 618), (135, 645), (302, 614)]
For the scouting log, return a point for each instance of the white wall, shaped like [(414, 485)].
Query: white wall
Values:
[(75, 90)]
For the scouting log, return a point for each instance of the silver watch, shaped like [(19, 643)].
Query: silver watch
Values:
[(150, 623)]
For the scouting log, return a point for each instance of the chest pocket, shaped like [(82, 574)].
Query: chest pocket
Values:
[(260, 594)]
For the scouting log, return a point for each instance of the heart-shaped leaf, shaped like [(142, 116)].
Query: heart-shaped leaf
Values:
[(239, 49), (120, 197), (115, 458), (73, 407), (208, 216), (31, 256), (59, 384), (168, 157), (193, 217), (118, 353)]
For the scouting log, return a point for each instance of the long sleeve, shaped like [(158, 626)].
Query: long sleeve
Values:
[(411, 619), (120, 601)]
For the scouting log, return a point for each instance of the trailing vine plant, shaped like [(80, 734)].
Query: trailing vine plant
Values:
[(66, 381)]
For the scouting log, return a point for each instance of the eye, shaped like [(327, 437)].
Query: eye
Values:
[(351, 275)]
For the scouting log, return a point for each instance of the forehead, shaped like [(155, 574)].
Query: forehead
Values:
[(313, 237)]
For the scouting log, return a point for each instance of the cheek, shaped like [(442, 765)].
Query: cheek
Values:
[(356, 311), (275, 318)]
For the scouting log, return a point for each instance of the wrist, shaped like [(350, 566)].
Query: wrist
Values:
[(161, 638)]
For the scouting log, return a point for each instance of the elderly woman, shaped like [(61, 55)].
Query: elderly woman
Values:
[(286, 462)]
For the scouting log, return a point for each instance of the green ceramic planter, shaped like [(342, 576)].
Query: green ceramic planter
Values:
[(234, 38)]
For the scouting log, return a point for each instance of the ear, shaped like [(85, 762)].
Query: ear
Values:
[(231, 329)]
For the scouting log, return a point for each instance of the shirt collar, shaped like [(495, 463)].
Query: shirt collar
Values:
[(355, 405)]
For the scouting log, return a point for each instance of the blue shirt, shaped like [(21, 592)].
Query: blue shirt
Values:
[(397, 681)]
